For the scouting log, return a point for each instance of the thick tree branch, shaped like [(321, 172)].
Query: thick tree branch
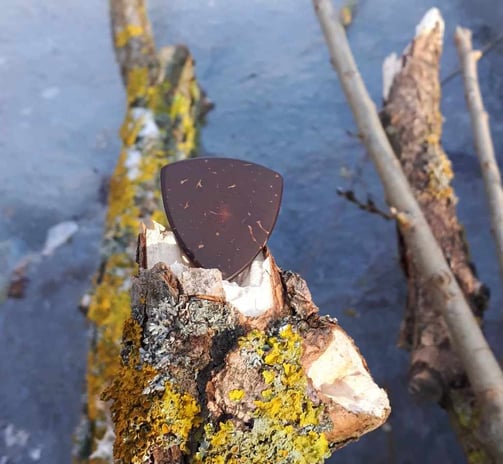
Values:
[(482, 135), (165, 107), (234, 371), (482, 367), (412, 119)]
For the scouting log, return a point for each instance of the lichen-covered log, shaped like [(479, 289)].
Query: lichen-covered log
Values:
[(413, 122), (234, 372), (165, 107)]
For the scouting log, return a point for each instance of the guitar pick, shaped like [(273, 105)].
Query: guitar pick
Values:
[(221, 210)]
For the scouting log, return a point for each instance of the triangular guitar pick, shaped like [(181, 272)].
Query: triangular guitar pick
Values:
[(221, 210)]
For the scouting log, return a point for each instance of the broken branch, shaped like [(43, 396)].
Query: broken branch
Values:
[(412, 119), (234, 371)]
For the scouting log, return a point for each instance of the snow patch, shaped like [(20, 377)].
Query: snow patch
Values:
[(105, 445), (58, 235), (15, 437), (430, 20), (133, 163), (149, 128), (391, 66), (35, 454)]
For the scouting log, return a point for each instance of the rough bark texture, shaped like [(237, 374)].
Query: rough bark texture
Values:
[(413, 122), (202, 383), (164, 110)]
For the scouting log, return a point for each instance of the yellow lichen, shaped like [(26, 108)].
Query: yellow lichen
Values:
[(127, 33), (130, 129), (236, 395), (177, 413), (109, 308), (181, 110), (287, 426), (478, 457), (142, 420), (138, 84), (268, 376), (123, 213)]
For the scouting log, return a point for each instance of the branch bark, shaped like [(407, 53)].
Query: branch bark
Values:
[(482, 135), (132, 37), (412, 119), (165, 107), (482, 367), (244, 371)]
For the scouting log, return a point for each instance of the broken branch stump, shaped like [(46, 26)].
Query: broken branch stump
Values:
[(234, 372)]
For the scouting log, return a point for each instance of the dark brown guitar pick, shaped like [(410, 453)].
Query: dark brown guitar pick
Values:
[(221, 210)]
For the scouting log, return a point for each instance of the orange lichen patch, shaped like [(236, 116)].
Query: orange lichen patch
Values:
[(130, 407), (144, 421), (433, 139)]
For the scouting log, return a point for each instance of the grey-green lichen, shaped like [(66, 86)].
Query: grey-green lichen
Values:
[(174, 323)]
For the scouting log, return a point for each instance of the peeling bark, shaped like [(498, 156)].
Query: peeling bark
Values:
[(165, 107), (203, 382), (413, 121)]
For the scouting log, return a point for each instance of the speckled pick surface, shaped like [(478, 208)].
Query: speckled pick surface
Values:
[(221, 210)]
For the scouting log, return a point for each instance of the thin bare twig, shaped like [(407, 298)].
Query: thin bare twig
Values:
[(482, 367), (482, 135), (368, 205), (484, 51)]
